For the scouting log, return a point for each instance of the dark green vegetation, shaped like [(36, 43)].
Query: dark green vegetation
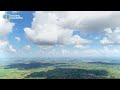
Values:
[(40, 69), (70, 73), (31, 65), (104, 63)]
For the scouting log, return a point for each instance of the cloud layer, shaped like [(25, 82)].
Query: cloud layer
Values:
[(52, 30)]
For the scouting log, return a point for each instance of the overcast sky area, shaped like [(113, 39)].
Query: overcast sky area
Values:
[(60, 34)]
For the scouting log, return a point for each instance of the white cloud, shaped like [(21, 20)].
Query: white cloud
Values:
[(6, 48), (18, 39), (106, 41), (3, 43), (27, 47), (78, 40), (90, 51), (5, 28), (10, 47), (102, 52), (66, 52), (45, 47), (108, 30), (47, 30), (5, 25), (88, 20), (113, 37), (47, 37), (104, 20), (81, 46)]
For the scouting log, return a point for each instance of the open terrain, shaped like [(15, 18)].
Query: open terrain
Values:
[(40, 69)]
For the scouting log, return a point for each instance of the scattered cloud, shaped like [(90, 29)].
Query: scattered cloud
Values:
[(106, 51), (81, 46), (112, 36), (78, 40), (18, 39), (5, 28), (45, 47), (106, 41), (3, 43), (27, 47), (10, 48), (52, 30), (6, 47)]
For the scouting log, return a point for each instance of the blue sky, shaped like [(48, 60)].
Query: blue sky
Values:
[(18, 28), (60, 34)]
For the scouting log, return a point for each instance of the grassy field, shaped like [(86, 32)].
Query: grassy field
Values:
[(40, 70)]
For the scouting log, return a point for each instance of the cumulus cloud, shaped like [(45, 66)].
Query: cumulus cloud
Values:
[(91, 20), (78, 40), (112, 36), (47, 37), (6, 47), (47, 29), (86, 20), (5, 28), (5, 25), (11, 49), (106, 41), (18, 39)]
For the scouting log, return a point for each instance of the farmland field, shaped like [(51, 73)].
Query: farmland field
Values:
[(40, 69)]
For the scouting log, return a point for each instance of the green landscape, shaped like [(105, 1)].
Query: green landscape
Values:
[(39, 69)]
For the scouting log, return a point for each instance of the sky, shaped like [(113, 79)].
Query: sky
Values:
[(60, 34)]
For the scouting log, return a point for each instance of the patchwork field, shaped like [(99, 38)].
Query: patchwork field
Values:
[(56, 70)]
